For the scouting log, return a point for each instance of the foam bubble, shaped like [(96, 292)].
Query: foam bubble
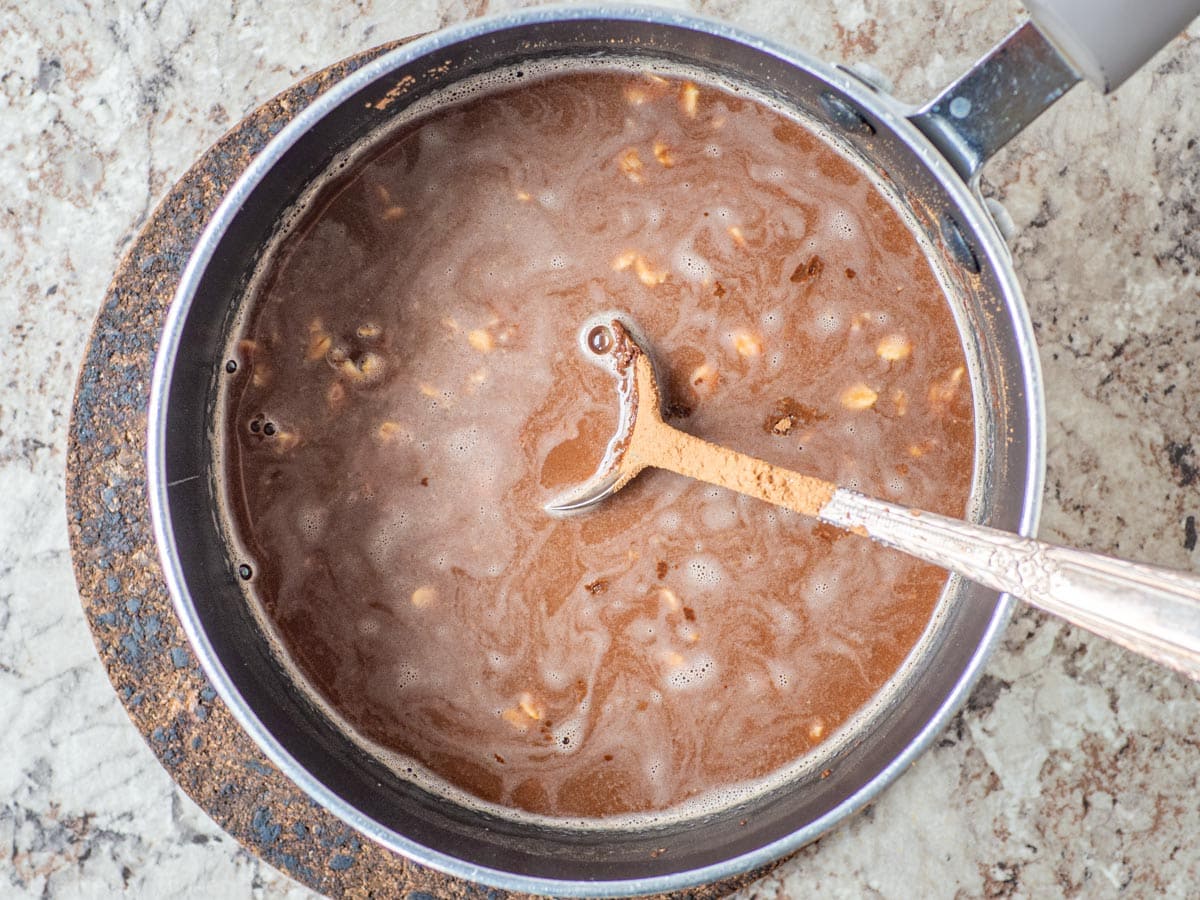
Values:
[(406, 675), (568, 735), (313, 521), (692, 266), (367, 626), (781, 675), (825, 586), (693, 673), (558, 261), (705, 572), (386, 534), (462, 441), (843, 225), (829, 321)]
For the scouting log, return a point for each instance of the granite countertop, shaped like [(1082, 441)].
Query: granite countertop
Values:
[(1072, 768)]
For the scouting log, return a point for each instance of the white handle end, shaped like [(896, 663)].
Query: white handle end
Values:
[(1106, 41)]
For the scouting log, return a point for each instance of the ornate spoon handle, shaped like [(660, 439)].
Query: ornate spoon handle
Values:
[(1152, 611)]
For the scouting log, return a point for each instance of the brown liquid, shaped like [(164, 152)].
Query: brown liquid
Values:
[(413, 353)]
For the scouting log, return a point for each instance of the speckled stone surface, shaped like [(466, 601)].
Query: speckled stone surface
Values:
[(1073, 769)]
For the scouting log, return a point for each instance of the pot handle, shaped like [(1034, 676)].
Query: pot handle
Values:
[(1104, 41)]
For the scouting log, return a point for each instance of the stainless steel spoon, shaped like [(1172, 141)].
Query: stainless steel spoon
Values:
[(1152, 611)]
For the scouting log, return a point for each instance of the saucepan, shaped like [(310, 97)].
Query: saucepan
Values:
[(930, 160)]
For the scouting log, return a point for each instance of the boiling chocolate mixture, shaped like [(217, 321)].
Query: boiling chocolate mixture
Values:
[(410, 393)]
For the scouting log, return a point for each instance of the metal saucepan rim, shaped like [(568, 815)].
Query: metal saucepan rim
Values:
[(890, 117)]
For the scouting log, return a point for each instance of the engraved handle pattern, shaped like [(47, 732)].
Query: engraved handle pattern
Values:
[(1152, 611)]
